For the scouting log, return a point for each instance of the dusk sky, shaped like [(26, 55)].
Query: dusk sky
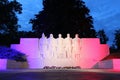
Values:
[(104, 12)]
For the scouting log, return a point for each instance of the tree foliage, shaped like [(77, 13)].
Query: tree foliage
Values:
[(117, 39), (64, 16), (8, 19), (103, 38)]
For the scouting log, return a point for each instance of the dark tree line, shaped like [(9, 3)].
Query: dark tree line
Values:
[(115, 47), (102, 36), (63, 17), (8, 18), (9, 21), (116, 44), (117, 39)]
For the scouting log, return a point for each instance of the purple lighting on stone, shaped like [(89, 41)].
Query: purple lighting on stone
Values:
[(3, 63)]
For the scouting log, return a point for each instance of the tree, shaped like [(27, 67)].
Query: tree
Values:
[(117, 39), (64, 16), (103, 38), (8, 18)]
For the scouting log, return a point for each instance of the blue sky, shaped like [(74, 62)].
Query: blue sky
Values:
[(30, 8), (106, 14)]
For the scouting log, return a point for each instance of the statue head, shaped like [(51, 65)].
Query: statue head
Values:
[(76, 36), (43, 35), (68, 35), (51, 35), (60, 36)]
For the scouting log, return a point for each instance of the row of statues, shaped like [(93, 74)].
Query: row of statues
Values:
[(59, 47)]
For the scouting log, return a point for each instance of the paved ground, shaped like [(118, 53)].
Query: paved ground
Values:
[(71, 74)]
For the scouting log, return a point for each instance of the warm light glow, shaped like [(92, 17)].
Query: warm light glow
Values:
[(84, 52)]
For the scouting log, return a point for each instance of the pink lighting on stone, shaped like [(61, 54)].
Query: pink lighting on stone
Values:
[(83, 52), (116, 64)]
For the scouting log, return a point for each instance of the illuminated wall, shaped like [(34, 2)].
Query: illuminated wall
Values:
[(116, 64), (3, 64), (83, 52)]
